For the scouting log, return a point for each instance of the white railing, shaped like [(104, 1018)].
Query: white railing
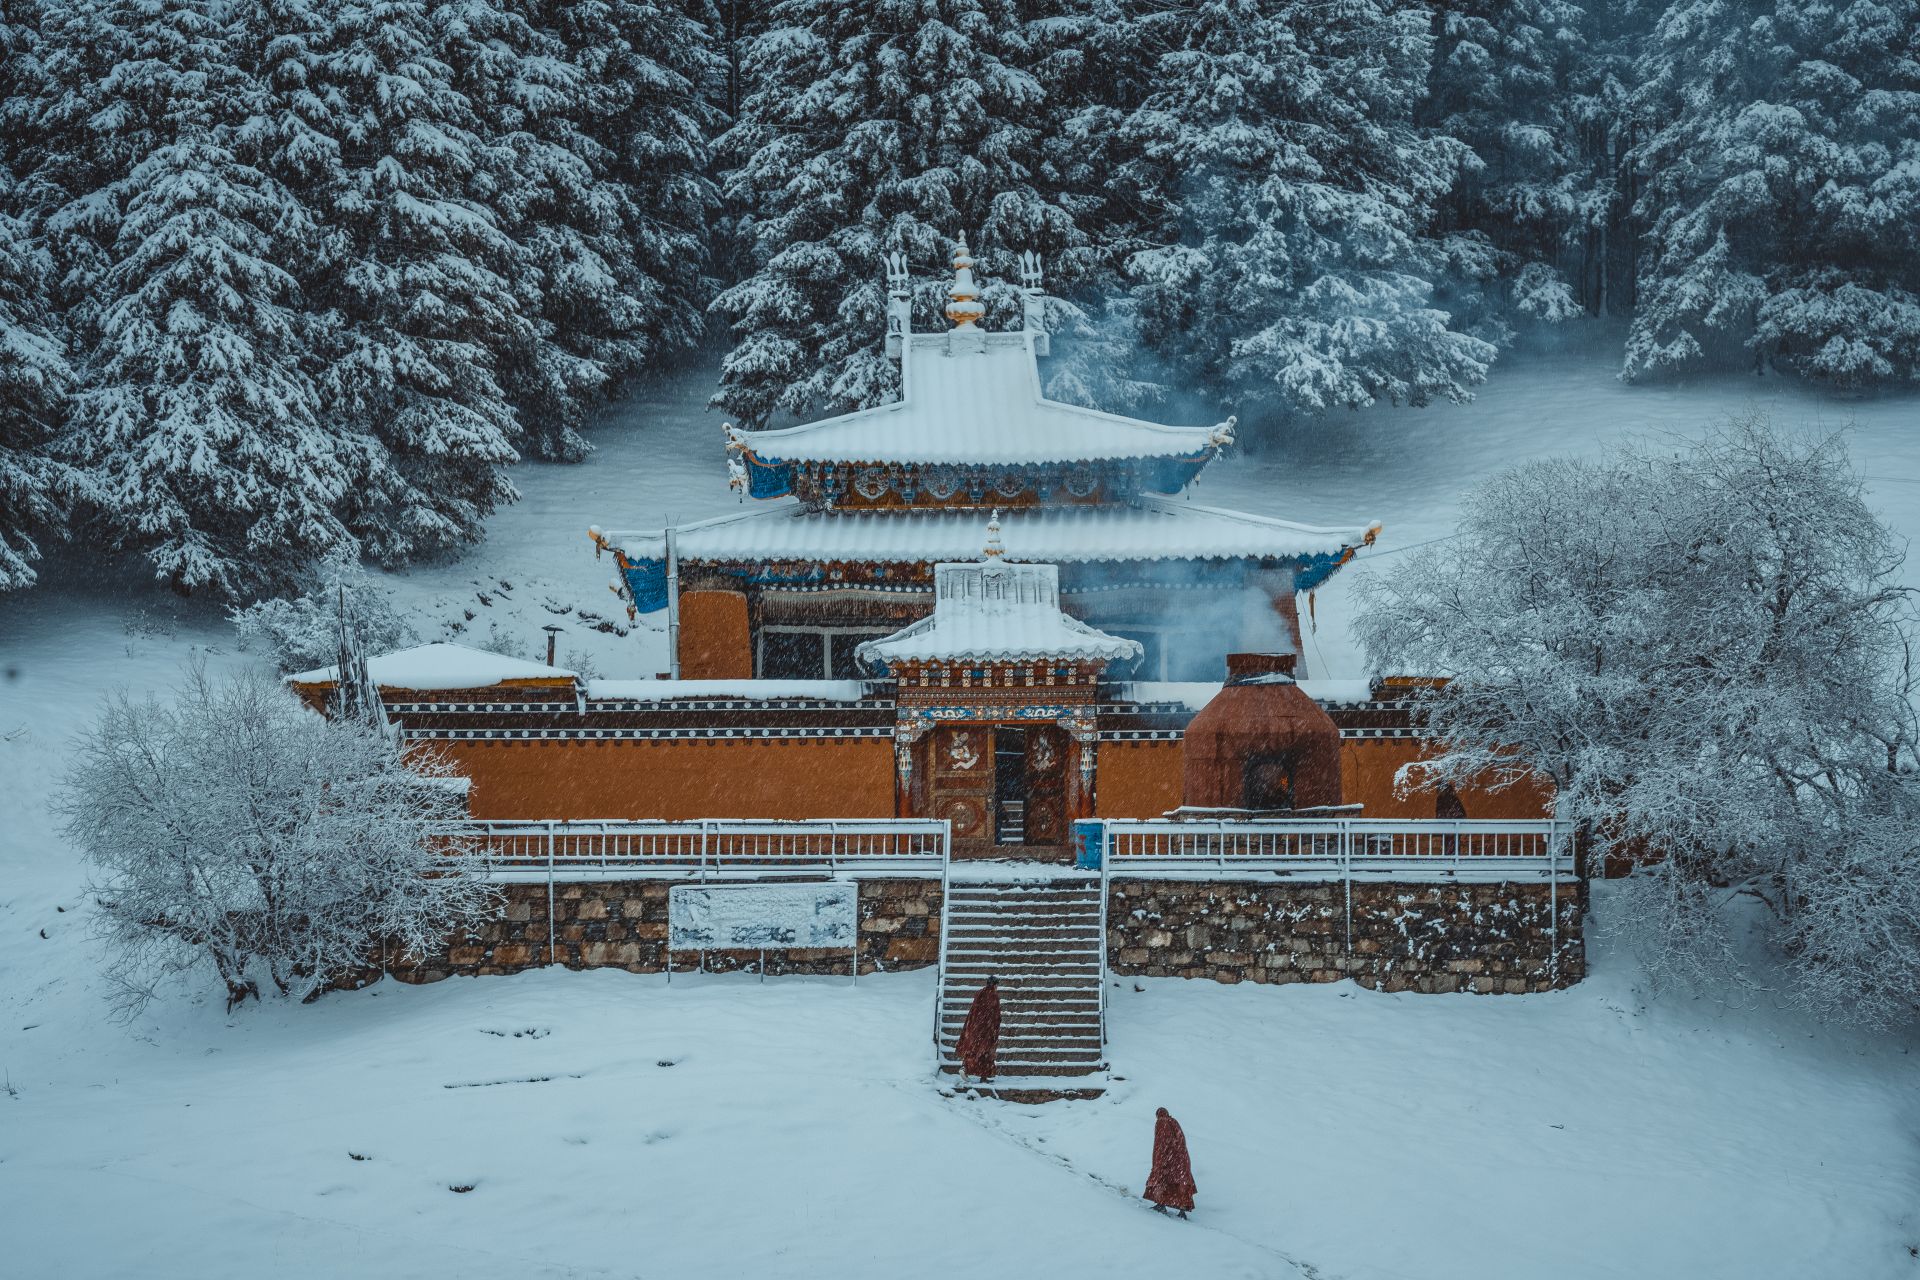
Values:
[(1339, 848), (1344, 849), (710, 848)]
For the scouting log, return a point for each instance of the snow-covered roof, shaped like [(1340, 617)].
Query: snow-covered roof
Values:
[(758, 690), (991, 611), (441, 666), (975, 399), (1148, 529)]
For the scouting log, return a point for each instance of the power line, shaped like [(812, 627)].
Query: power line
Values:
[(1394, 551)]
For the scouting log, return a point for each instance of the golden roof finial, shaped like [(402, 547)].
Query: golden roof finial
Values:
[(965, 307)]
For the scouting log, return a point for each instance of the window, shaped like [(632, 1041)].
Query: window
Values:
[(812, 653), (792, 655), (841, 646)]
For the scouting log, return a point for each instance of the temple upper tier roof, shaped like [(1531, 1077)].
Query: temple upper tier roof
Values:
[(971, 427), (978, 401)]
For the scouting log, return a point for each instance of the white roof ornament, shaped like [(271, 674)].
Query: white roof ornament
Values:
[(899, 304), (1030, 270), (994, 550), (965, 309), (736, 466), (1034, 312), (1222, 435)]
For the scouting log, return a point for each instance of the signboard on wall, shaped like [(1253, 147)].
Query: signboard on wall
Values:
[(762, 917)]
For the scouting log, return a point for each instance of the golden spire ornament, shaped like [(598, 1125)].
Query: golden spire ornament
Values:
[(965, 306)]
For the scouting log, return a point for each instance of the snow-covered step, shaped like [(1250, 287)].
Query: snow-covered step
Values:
[(1044, 944)]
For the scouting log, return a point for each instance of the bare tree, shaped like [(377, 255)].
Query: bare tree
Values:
[(304, 631), (1705, 645), (233, 828)]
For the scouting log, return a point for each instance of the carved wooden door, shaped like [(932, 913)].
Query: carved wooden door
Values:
[(1048, 751), (960, 784)]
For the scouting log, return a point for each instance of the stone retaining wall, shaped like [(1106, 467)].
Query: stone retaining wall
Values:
[(622, 924), (1405, 937), (1489, 938)]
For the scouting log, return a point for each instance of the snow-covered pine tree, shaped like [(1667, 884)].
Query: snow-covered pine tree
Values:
[(34, 380), (1089, 57), (1599, 113), (1293, 196), (1501, 71), (421, 287), (70, 139), (528, 103), (872, 127), (619, 228), (199, 427), (24, 75), (1778, 199)]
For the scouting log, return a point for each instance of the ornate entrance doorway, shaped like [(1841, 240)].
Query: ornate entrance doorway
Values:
[(1005, 788)]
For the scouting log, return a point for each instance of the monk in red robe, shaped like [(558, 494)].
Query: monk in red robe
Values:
[(980, 1036), (1170, 1185)]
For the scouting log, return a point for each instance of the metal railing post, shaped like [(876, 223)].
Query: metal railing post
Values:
[(1105, 882), (946, 917), (1553, 899), (1346, 876)]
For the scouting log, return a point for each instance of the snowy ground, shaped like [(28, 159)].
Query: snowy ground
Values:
[(611, 1125), (1336, 1132)]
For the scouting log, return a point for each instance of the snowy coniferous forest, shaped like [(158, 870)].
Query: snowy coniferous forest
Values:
[(291, 279)]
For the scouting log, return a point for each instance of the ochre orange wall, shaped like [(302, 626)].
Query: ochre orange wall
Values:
[(1368, 766), (675, 780), (1143, 780), (1136, 779), (854, 778), (715, 642)]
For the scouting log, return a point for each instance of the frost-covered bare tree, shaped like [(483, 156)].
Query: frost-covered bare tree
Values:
[(1705, 644), (232, 829), (303, 631)]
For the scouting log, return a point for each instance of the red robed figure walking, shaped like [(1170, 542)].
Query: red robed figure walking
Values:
[(1170, 1185), (980, 1037)]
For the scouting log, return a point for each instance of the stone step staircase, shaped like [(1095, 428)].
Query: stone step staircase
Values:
[(1043, 941)]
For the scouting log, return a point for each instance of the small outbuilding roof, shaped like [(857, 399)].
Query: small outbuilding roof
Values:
[(990, 610), (445, 666)]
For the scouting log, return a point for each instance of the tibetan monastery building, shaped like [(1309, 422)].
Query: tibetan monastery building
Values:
[(978, 624), (973, 604)]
